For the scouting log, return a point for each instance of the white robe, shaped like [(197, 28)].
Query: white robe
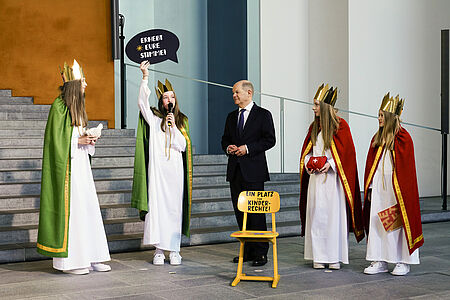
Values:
[(87, 239), (326, 232), (163, 222), (386, 246)]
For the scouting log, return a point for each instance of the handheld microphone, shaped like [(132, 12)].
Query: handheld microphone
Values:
[(170, 106)]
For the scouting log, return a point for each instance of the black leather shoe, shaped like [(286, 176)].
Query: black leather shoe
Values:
[(260, 261), (246, 258)]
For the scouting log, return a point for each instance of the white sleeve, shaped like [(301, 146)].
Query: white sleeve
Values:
[(91, 149), (144, 107)]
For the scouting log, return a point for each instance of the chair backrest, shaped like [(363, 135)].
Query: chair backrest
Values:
[(259, 202)]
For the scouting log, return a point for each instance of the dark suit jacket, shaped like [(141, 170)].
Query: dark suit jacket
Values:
[(258, 135)]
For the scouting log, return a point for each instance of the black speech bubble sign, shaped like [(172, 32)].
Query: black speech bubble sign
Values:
[(155, 45)]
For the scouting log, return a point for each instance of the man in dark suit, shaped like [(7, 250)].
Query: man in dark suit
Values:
[(249, 132)]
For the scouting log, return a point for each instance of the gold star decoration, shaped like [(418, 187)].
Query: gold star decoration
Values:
[(139, 48)]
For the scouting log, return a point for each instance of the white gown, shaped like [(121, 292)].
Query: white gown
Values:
[(162, 227), (386, 246), (326, 232), (87, 239)]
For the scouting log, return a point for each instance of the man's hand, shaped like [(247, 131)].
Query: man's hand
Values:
[(231, 149), (241, 151)]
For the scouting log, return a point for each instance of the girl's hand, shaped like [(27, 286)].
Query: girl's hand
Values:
[(325, 168), (170, 117), (94, 140), (144, 68), (309, 171), (86, 139)]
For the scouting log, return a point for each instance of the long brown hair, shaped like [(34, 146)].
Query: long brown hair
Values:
[(74, 99), (327, 122), (385, 135), (162, 112)]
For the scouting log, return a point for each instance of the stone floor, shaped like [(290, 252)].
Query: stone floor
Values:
[(207, 272)]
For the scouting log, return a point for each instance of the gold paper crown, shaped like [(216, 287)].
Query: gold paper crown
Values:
[(392, 105), (71, 73), (162, 88), (326, 95)]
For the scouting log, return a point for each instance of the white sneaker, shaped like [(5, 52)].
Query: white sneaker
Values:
[(335, 266), (158, 259), (376, 267), (318, 266), (400, 269), (100, 267), (82, 271), (175, 258)]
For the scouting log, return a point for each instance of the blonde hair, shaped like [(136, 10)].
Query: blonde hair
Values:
[(327, 122), (74, 99), (385, 135)]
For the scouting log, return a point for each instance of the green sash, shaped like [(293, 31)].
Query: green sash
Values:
[(53, 232), (139, 195)]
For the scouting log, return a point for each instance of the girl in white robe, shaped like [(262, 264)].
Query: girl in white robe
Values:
[(326, 234), (163, 222), (87, 245)]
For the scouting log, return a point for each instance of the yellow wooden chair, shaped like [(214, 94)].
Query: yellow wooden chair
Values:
[(257, 202)]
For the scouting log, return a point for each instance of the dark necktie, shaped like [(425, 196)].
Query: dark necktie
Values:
[(241, 122)]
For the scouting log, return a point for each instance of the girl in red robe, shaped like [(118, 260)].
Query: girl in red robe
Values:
[(391, 197)]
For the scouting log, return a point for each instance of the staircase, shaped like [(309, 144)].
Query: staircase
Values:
[(22, 127)]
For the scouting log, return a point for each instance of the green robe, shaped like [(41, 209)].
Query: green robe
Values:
[(53, 232), (139, 196)]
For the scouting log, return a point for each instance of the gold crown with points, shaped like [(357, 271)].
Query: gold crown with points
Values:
[(162, 88), (327, 95), (392, 105), (71, 73)]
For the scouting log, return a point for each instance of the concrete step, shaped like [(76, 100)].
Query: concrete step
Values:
[(37, 124), (8, 100), (33, 187), (34, 161), (31, 216), (8, 142), (10, 176), (100, 150), (14, 133), (18, 202), (5, 93), (23, 116), (16, 108)]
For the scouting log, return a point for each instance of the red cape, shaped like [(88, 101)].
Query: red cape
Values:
[(404, 181), (344, 155)]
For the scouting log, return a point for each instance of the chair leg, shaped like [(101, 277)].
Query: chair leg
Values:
[(276, 277), (240, 264)]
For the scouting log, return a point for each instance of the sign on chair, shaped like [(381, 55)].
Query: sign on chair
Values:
[(259, 202)]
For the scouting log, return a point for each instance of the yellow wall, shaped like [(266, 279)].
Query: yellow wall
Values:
[(37, 36)]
